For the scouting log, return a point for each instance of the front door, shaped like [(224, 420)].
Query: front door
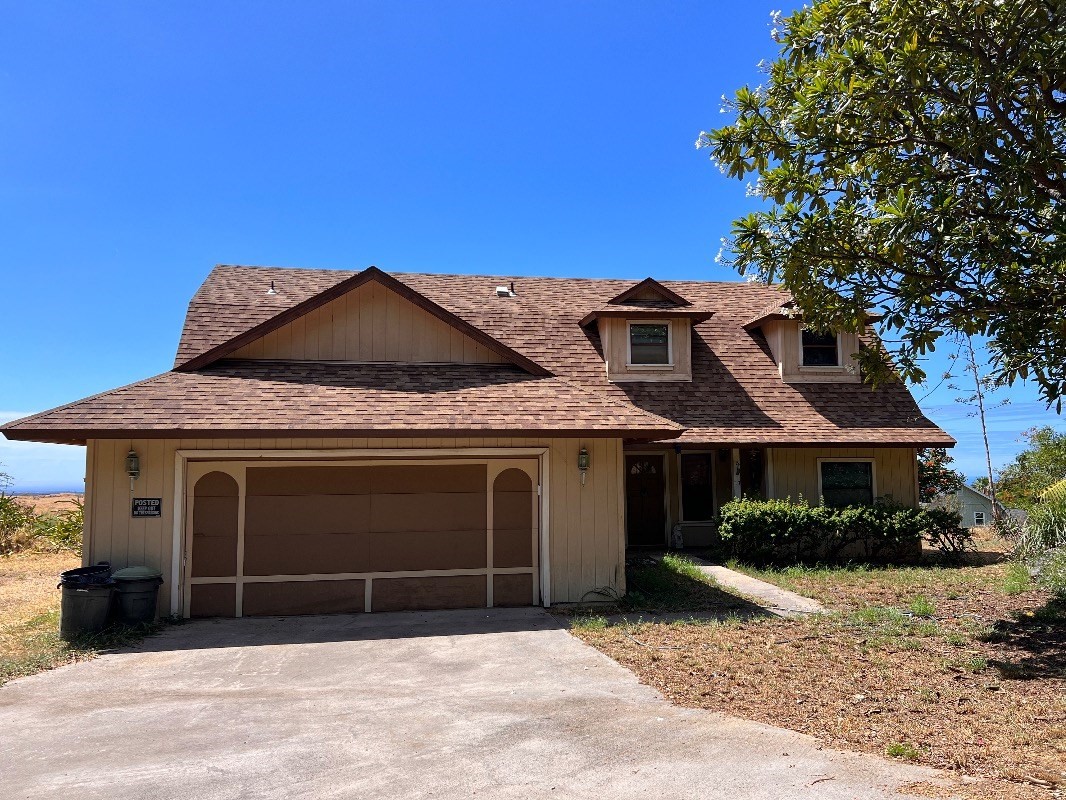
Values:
[(645, 501)]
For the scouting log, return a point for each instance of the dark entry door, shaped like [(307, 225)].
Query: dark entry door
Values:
[(645, 501)]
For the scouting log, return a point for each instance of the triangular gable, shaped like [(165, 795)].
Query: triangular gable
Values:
[(649, 290), (370, 316)]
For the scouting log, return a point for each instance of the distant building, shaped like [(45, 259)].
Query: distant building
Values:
[(973, 506)]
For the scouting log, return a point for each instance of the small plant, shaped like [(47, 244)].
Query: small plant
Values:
[(590, 623), (1016, 581), (907, 752), (16, 518), (922, 606)]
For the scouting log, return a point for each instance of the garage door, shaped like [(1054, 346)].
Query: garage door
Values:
[(273, 538)]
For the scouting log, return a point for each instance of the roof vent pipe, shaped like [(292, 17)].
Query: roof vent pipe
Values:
[(272, 290), (503, 291)]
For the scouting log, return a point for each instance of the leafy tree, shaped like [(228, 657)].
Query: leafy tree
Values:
[(935, 475), (914, 152), (1040, 464)]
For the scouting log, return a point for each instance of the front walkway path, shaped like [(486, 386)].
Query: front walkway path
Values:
[(774, 599)]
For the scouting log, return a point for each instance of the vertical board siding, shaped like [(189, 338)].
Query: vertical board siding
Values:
[(370, 323), (795, 471), (586, 533)]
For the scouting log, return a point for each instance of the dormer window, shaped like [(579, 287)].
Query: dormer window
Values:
[(649, 344), (820, 349)]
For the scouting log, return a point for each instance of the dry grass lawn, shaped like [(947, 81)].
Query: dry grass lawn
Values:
[(962, 669), (29, 617), (51, 503)]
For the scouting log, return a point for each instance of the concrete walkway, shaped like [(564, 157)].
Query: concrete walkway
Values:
[(456, 704), (774, 599)]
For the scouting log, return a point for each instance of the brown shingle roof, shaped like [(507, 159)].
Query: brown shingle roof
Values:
[(234, 398), (736, 395)]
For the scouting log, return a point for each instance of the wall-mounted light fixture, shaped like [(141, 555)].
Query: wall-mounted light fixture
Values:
[(583, 462), (133, 467)]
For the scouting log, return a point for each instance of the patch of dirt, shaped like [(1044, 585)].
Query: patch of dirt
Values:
[(979, 689), (51, 503)]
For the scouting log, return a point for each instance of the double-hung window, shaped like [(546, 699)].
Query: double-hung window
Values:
[(649, 343), (820, 349), (979, 518), (847, 483)]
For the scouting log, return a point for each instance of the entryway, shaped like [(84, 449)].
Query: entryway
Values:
[(645, 500)]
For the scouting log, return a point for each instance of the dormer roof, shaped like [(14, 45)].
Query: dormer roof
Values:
[(648, 290)]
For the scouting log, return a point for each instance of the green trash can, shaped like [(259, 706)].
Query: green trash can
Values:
[(136, 590), (84, 609)]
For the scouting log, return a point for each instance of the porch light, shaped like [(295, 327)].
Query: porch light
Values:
[(583, 461), (133, 465)]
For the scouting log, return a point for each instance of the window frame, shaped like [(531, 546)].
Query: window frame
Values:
[(854, 460), (975, 515), (669, 344), (713, 456), (821, 367)]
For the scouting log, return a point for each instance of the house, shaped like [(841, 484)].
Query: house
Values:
[(333, 441), (973, 506)]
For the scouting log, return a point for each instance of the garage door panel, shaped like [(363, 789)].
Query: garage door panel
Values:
[(307, 514), (307, 553), (214, 556), (215, 516), (417, 550), (431, 511), (512, 548), (304, 597), (299, 480), (418, 478), (213, 600), (512, 590), (419, 594)]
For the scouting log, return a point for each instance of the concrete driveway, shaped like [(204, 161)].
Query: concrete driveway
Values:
[(495, 704)]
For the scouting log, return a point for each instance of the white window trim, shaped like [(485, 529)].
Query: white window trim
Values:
[(826, 369), (867, 459), (975, 515), (669, 345), (680, 490)]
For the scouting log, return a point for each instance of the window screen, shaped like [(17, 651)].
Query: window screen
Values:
[(649, 344), (847, 483), (819, 349), (697, 491)]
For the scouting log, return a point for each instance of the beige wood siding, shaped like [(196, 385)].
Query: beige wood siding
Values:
[(614, 334), (586, 530), (371, 324), (783, 336), (794, 471)]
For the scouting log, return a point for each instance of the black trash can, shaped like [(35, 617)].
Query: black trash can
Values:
[(86, 601), (137, 589)]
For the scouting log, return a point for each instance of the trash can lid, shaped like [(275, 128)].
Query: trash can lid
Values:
[(136, 574)]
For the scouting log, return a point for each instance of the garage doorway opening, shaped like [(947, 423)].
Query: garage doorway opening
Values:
[(283, 536)]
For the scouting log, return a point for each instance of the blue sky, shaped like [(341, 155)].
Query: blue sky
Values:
[(143, 143)]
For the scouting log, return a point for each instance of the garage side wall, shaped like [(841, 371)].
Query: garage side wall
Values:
[(586, 525)]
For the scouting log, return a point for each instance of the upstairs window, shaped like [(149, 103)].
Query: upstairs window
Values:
[(649, 343), (847, 483), (819, 349)]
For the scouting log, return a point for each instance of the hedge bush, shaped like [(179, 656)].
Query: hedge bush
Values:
[(788, 532)]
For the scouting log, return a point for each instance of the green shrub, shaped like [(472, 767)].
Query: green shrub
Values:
[(783, 531), (62, 531), (16, 531)]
